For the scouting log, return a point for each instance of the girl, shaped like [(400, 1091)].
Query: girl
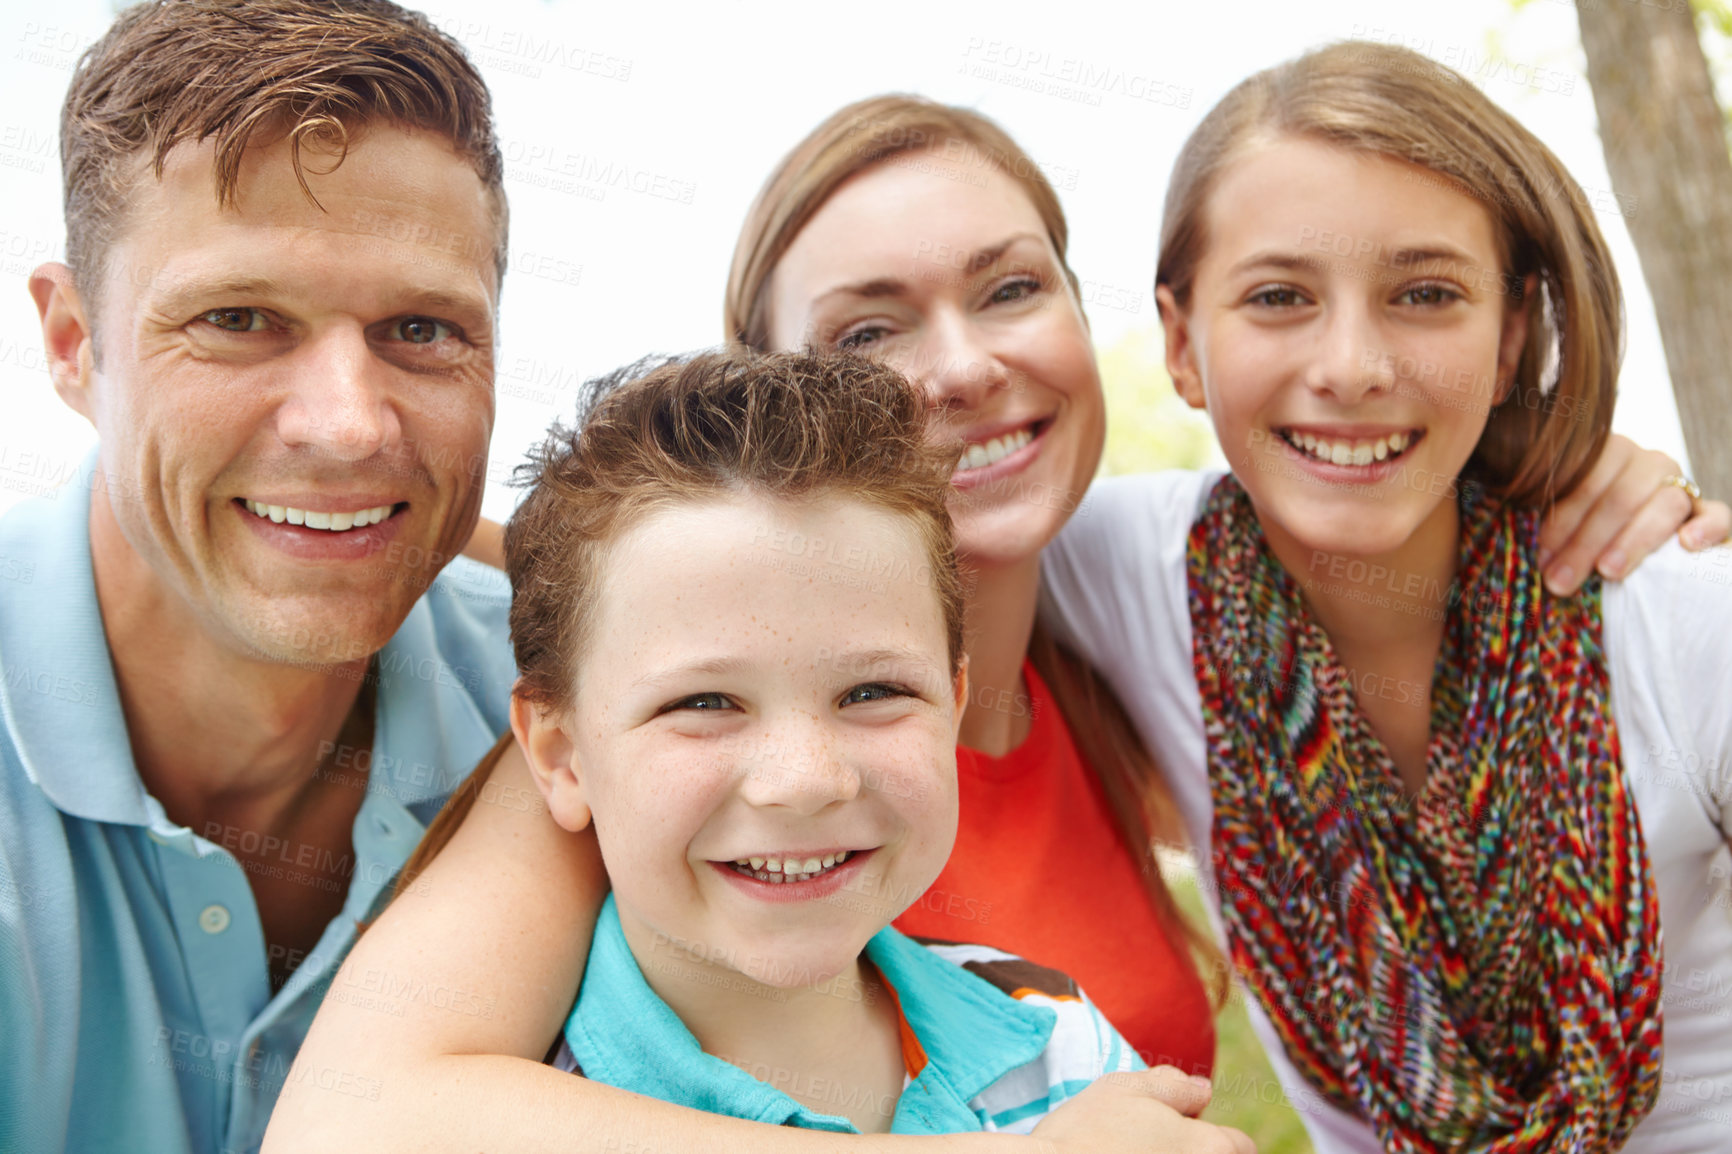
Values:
[(922, 234), (1447, 810)]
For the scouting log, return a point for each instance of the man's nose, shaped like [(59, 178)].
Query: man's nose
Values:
[(339, 403)]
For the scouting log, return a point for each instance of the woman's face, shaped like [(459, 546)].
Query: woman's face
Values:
[(1349, 328), (944, 270)]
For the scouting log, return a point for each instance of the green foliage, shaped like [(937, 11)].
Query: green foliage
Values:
[(1148, 426)]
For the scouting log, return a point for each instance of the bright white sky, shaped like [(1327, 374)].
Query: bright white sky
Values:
[(701, 99)]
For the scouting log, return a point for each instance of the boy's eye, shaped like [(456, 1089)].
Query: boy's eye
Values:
[(236, 320), (874, 691), (1276, 296), (701, 703)]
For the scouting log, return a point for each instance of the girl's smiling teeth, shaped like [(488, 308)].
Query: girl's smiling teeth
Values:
[(333, 522), (778, 870), (1356, 451), (980, 454)]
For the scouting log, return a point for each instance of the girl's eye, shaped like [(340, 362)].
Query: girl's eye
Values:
[(421, 330), (1021, 288), (236, 320), (1427, 294), (701, 703), (1277, 296), (874, 691)]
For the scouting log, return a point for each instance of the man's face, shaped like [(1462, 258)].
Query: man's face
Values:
[(330, 367)]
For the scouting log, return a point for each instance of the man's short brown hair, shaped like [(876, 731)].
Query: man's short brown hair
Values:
[(314, 72)]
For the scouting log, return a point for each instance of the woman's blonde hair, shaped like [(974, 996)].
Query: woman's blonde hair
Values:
[(850, 141), (1546, 432)]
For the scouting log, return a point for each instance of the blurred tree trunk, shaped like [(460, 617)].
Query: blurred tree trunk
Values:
[(1665, 146)]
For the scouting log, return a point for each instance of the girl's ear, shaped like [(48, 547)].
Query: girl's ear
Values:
[(1515, 337), (1181, 351), (552, 758)]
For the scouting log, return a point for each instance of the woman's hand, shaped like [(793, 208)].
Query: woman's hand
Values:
[(1147, 1112), (1619, 514)]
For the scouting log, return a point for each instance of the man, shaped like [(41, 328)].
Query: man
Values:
[(238, 685)]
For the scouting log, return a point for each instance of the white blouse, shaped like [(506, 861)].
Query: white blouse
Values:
[(1115, 587)]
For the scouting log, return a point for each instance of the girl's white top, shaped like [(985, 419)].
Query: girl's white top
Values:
[(1115, 587)]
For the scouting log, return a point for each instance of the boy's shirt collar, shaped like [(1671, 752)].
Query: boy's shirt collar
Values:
[(960, 1035)]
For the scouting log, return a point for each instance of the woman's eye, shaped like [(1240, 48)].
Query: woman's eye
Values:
[(860, 338), (1015, 290), (875, 691), (421, 330), (236, 320), (1427, 294), (1278, 296), (702, 703)]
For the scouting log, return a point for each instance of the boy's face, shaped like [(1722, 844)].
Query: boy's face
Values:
[(764, 680), (1349, 329)]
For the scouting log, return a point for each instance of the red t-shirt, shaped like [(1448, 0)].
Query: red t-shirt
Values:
[(1040, 870)]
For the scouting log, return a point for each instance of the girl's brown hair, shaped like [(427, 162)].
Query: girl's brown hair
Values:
[(1544, 435), (783, 425), (852, 140)]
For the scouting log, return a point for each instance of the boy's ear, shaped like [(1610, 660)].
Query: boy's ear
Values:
[(1515, 337), (66, 336), (959, 690), (1181, 350), (553, 763)]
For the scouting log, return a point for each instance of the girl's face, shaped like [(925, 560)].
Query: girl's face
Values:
[(1349, 328), (765, 683), (944, 270)]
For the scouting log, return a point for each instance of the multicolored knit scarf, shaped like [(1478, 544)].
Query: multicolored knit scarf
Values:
[(1478, 970)]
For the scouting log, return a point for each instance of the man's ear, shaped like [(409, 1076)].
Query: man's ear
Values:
[(552, 758), (1514, 337), (1181, 349), (66, 336), (959, 690)]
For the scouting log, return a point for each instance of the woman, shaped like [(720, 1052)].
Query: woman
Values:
[(924, 233)]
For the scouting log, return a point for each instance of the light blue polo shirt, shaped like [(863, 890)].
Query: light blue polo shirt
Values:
[(135, 1005), (992, 1061)]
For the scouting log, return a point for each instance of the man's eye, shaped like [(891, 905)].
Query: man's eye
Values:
[(236, 320), (422, 330), (874, 691), (701, 703)]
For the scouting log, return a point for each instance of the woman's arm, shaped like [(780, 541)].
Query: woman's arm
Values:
[(487, 543), (1622, 512), (489, 944)]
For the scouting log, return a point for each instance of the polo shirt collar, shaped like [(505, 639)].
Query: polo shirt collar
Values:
[(623, 1034), (61, 704)]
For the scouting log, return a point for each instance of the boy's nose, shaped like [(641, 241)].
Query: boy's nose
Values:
[(804, 776)]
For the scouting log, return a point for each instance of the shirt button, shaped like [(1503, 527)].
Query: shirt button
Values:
[(213, 919), (382, 825)]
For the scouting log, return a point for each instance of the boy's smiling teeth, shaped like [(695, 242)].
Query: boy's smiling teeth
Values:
[(333, 522), (779, 870), (1349, 450), (984, 453)]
